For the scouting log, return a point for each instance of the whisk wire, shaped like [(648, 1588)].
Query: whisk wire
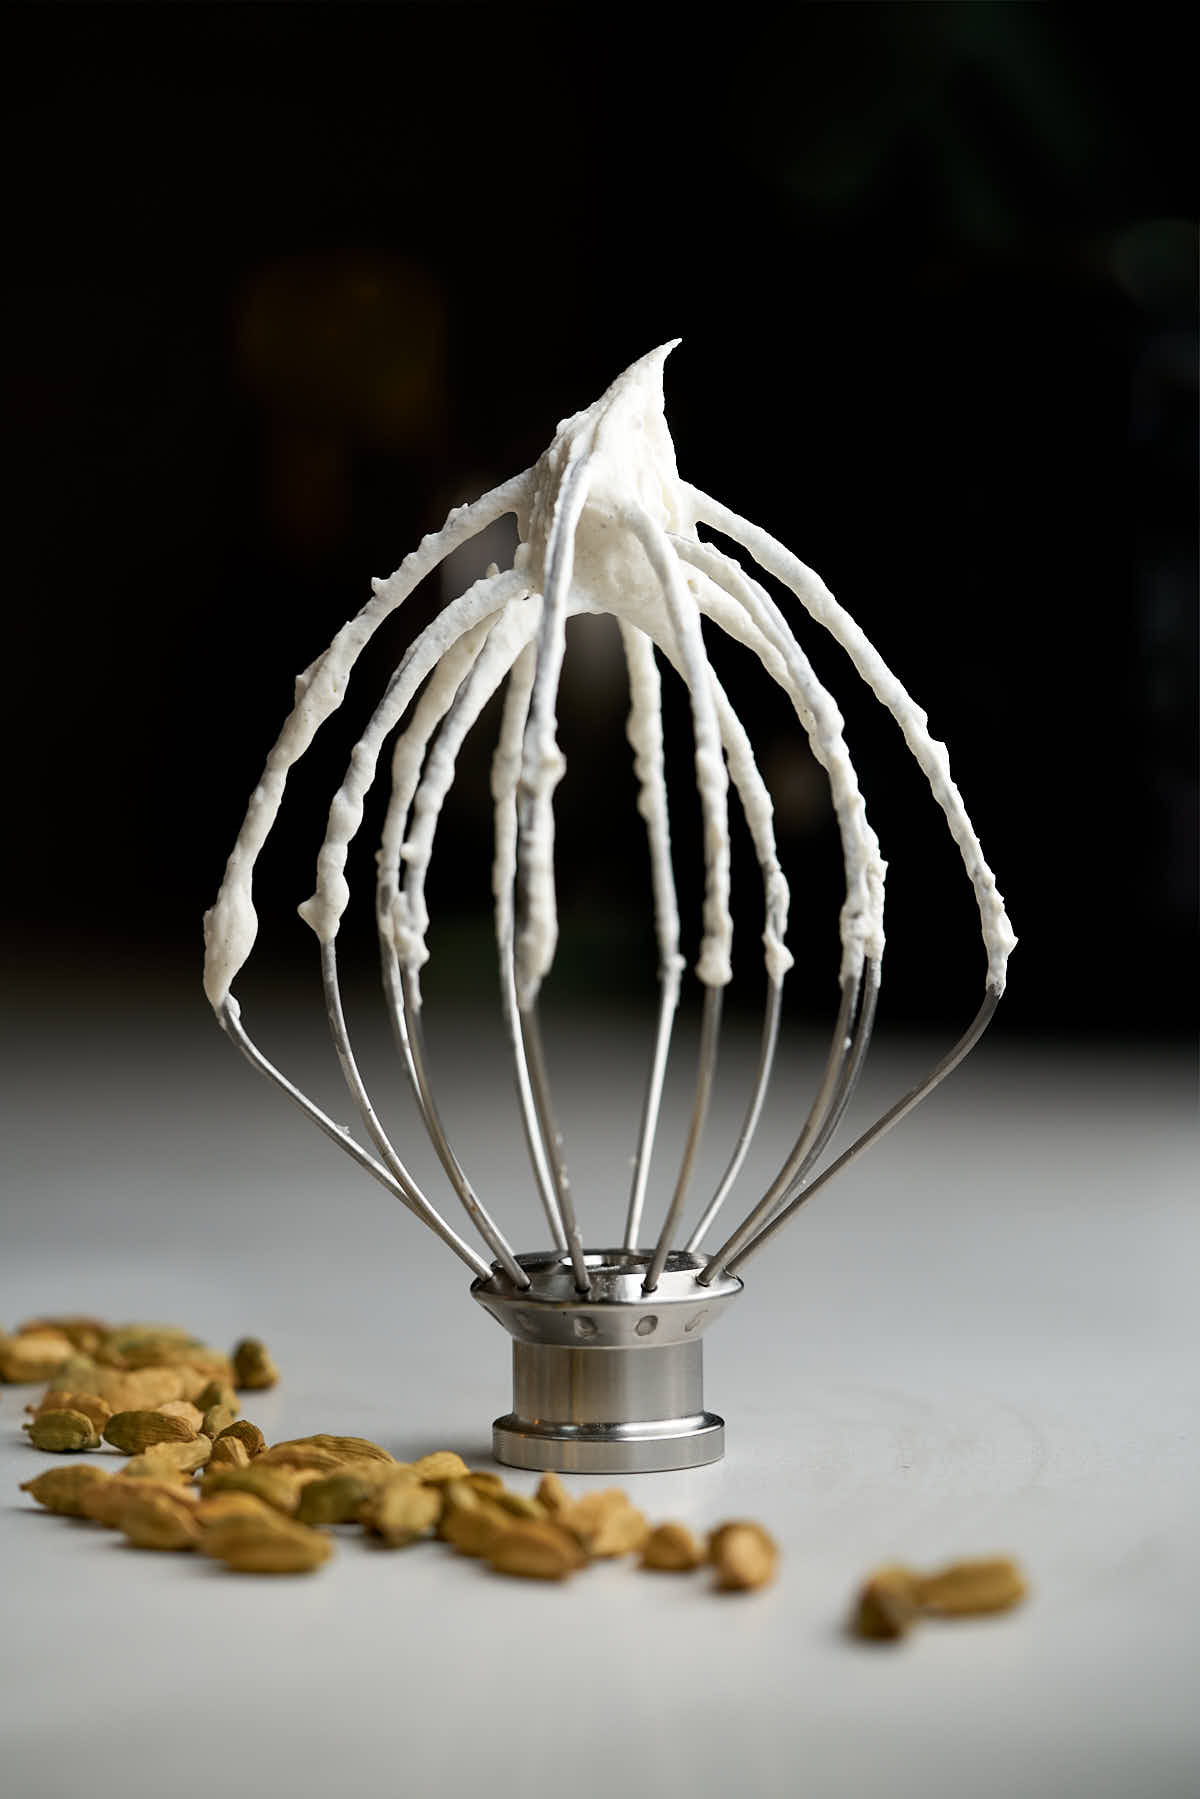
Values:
[(671, 981), (880, 1128), (531, 1037), (505, 774), (408, 1194), (370, 1118), (758, 1094), (644, 731), (710, 1030), (840, 1049), (488, 1229), (851, 1068)]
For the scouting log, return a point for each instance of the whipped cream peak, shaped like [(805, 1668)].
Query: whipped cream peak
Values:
[(605, 524)]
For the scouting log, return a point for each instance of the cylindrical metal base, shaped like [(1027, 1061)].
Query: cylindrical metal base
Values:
[(566, 1402), (611, 1382)]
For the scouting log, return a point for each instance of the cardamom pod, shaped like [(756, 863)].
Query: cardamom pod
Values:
[(743, 1555), (399, 1511), (62, 1489), (222, 1506), (482, 1480), (162, 1346), (216, 1392), (306, 1456), (441, 1465), (605, 1523), (535, 1551), (471, 1522), (552, 1493), (182, 1408), (247, 1433), (886, 1608), (108, 1501), (347, 1449), (519, 1505), (35, 1356), (261, 1546), (131, 1432), (62, 1431), (229, 1452), (59, 1399), (334, 1499), (672, 1548), (157, 1520), (967, 1589), (141, 1390), (216, 1419), (252, 1365), (169, 1461), (279, 1487), (81, 1332)]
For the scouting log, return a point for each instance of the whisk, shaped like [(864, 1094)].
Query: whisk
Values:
[(607, 1343)]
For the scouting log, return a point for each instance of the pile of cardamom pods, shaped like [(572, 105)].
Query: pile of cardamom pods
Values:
[(197, 1476)]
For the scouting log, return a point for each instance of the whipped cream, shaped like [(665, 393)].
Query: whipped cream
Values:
[(605, 525)]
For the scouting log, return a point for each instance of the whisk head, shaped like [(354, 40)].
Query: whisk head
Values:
[(606, 1344)]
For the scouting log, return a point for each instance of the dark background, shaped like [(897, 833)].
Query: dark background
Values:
[(285, 282)]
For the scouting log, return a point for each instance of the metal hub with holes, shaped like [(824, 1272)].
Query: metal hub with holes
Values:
[(612, 1383)]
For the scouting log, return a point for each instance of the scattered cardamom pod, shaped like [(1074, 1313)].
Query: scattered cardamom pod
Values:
[(399, 1511), (247, 1433), (131, 1432), (62, 1431), (470, 1521), (108, 1502), (482, 1480), (34, 1356), (134, 1347), (349, 1449), (216, 1392), (535, 1551), (216, 1419), (605, 1523), (157, 1520), (81, 1332), (262, 1546), (169, 1461), (252, 1365), (279, 1487), (229, 1452), (885, 1609), (520, 1505), (139, 1390), (442, 1465), (333, 1499), (672, 1548), (182, 1408), (743, 1555), (967, 1589), (61, 1489), (223, 1506), (61, 1399), (307, 1456), (552, 1493)]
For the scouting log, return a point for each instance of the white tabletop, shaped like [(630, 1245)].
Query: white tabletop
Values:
[(983, 1339)]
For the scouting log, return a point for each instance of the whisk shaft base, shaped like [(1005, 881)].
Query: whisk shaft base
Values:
[(611, 1382), (565, 1401)]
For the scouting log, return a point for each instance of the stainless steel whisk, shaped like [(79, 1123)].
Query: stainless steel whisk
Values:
[(607, 1370)]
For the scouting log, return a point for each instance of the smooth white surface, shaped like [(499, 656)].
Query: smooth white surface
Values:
[(983, 1339)]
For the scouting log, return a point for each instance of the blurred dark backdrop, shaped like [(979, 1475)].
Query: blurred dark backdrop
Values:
[(287, 281)]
